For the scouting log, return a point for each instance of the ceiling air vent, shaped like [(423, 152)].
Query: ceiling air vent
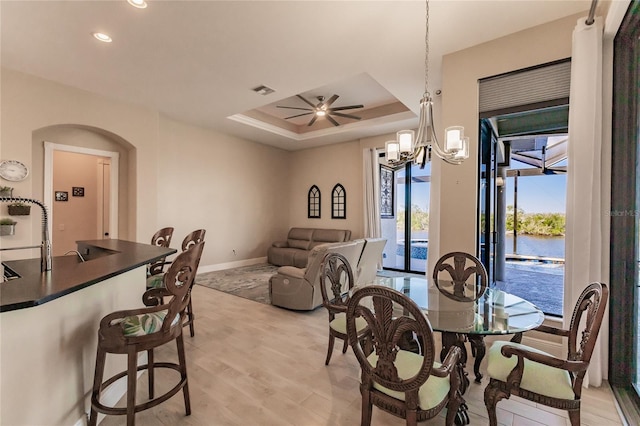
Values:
[(263, 90)]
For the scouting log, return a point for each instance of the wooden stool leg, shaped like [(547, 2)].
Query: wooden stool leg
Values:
[(150, 372), (183, 373), (97, 384), (191, 317), (132, 375)]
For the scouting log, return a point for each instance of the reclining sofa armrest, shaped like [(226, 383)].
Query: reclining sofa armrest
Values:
[(280, 244), (292, 272)]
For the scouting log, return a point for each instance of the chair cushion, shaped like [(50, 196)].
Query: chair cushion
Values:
[(143, 324), (339, 323), (431, 393), (538, 378), (155, 281)]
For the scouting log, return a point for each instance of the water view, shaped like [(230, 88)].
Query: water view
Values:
[(535, 245)]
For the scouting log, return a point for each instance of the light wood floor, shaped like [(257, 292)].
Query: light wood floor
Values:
[(254, 364)]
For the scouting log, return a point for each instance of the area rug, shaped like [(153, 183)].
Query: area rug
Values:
[(250, 282)]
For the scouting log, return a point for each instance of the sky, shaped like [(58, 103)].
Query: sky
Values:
[(539, 194), (536, 194)]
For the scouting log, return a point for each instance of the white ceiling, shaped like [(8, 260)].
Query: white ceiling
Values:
[(198, 61)]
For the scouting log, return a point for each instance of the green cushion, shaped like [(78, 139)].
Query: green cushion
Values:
[(538, 378), (339, 323), (155, 281), (432, 392), (141, 325)]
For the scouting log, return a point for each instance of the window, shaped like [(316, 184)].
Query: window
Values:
[(338, 202), (314, 203)]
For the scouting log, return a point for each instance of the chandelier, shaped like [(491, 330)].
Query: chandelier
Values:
[(418, 148)]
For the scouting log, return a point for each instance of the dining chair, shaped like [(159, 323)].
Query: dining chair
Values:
[(162, 238), (467, 276), (336, 281), (157, 280), (462, 277), (408, 385), (517, 369), (129, 332)]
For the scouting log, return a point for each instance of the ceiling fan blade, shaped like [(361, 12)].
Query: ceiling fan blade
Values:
[(299, 115), (339, 114), (288, 107), (331, 100), (342, 108), (307, 102), (313, 120), (334, 122)]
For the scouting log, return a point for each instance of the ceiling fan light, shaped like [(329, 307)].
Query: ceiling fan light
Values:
[(321, 113)]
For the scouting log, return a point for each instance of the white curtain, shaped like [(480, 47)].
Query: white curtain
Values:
[(371, 191), (586, 242)]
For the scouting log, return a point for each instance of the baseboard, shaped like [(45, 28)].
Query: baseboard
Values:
[(111, 395), (229, 265)]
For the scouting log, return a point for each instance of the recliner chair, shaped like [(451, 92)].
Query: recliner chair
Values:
[(299, 288)]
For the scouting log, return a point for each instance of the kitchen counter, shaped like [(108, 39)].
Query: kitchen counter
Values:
[(49, 324), (104, 259)]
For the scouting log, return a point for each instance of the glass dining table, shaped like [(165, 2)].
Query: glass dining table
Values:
[(494, 313)]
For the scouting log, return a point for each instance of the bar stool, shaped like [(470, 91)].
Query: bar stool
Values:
[(157, 280), (162, 238), (136, 330)]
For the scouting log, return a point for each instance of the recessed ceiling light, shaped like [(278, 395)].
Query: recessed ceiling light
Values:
[(140, 4), (102, 37)]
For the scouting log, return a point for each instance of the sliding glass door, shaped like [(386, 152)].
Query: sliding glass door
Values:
[(624, 321), (407, 229)]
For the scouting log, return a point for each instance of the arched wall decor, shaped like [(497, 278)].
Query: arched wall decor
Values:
[(314, 197), (338, 202)]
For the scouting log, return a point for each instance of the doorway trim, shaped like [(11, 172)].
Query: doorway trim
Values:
[(50, 147)]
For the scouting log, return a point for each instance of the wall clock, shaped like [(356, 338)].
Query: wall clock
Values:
[(13, 170)]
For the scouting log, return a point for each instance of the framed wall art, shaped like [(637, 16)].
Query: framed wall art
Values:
[(313, 207), (338, 202), (62, 196), (386, 192)]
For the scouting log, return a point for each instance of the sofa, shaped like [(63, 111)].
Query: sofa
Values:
[(299, 288), (300, 241)]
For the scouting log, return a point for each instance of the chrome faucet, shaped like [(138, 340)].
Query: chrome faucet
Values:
[(45, 247), (76, 252)]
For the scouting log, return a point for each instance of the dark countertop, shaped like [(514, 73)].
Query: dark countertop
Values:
[(105, 259)]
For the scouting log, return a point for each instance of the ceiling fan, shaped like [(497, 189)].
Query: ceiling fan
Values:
[(323, 109)]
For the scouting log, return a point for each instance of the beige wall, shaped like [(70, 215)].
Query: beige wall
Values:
[(29, 104), (174, 170), (325, 167), (454, 192), (96, 139), (235, 189)]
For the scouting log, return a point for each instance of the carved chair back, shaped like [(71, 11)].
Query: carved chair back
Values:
[(467, 276), (336, 281), (390, 315), (162, 238), (585, 325), (194, 237)]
